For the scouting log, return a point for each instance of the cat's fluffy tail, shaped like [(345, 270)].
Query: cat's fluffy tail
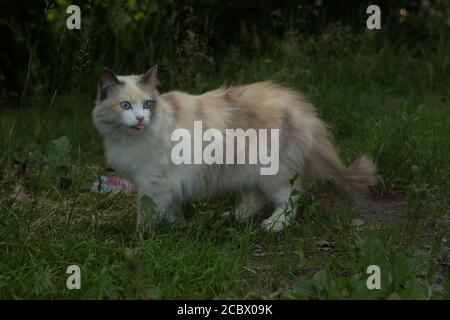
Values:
[(353, 181), (359, 177)]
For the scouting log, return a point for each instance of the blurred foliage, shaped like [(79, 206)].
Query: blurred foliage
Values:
[(41, 57), (401, 276)]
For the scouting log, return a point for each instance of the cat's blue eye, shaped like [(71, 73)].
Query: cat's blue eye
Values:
[(125, 105), (148, 104)]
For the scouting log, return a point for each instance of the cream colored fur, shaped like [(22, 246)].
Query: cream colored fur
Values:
[(143, 156)]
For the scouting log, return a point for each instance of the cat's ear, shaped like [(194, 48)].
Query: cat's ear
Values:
[(149, 80), (107, 80)]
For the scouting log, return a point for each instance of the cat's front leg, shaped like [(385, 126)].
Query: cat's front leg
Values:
[(156, 207)]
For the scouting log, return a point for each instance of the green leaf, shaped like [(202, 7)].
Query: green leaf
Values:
[(37, 157), (147, 205), (401, 270), (415, 291), (371, 250), (154, 293), (304, 289), (293, 179), (394, 296), (59, 152), (321, 280), (61, 144)]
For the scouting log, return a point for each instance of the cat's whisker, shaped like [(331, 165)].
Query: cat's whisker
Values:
[(110, 128)]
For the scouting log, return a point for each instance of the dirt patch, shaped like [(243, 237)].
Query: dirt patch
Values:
[(379, 210), (372, 210)]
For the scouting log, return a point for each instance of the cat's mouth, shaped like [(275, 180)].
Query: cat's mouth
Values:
[(138, 127)]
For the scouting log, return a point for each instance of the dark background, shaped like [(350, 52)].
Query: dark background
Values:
[(40, 56)]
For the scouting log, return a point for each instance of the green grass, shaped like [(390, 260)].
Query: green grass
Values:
[(388, 102)]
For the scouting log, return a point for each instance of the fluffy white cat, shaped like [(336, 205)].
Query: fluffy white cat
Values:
[(137, 124)]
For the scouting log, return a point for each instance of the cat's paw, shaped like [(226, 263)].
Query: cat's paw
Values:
[(274, 225)]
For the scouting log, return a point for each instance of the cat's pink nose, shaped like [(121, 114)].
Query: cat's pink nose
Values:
[(139, 118)]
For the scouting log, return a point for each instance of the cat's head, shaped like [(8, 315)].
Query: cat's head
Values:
[(125, 103)]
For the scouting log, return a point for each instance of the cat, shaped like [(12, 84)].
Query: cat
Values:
[(137, 123)]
